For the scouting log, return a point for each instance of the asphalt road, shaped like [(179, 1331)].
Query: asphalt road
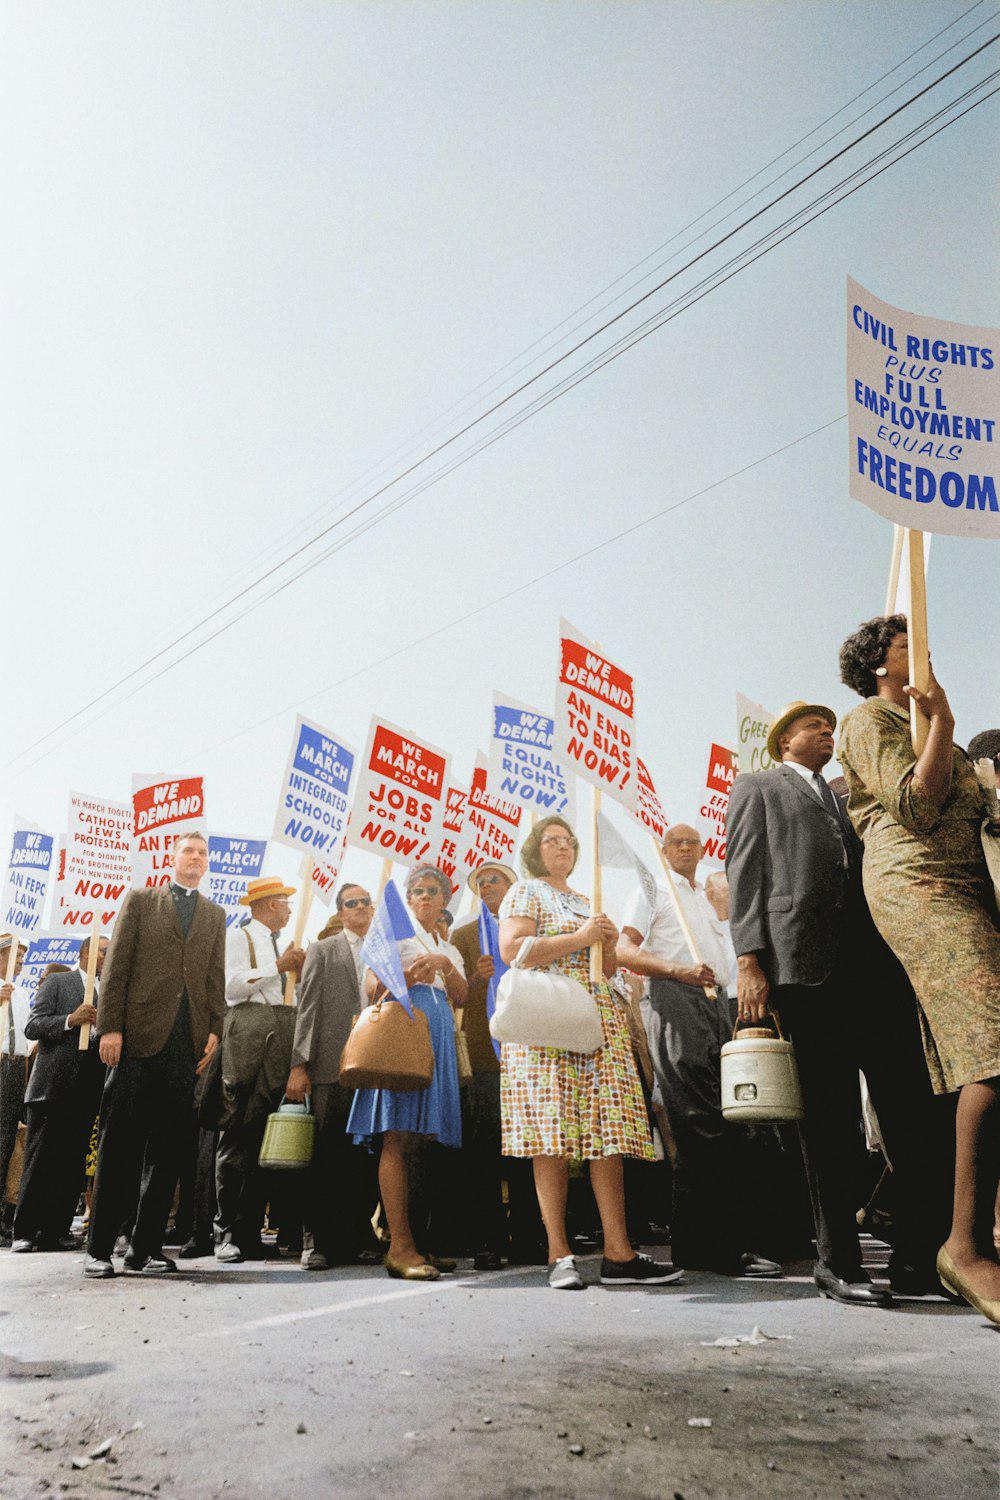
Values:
[(264, 1380)]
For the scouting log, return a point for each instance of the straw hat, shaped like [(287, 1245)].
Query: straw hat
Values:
[(264, 886), (491, 864), (794, 711)]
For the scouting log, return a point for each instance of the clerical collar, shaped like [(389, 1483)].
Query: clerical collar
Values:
[(183, 890)]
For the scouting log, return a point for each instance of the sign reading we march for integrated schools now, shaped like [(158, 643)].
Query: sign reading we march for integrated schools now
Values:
[(162, 808), (595, 717), (315, 794), (399, 806), (523, 766), (923, 403), (95, 863), (26, 886)]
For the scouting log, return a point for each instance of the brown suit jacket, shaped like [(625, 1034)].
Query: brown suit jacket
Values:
[(149, 965), (475, 1022)]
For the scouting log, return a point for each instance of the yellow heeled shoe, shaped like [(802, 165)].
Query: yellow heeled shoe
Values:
[(952, 1278), (411, 1273)]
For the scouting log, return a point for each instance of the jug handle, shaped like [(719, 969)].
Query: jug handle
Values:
[(774, 1016)]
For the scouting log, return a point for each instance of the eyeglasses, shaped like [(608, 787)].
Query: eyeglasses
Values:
[(558, 843), (489, 879), (426, 890), (683, 843), (357, 901)]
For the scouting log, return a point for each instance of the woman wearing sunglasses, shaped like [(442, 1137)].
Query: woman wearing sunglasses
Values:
[(435, 976)]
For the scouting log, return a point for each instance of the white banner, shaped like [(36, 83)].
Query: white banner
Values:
[(491, 825), (923, 403), (400, 803), (650, 810), (595, 718), (523, 766), (232, 862)]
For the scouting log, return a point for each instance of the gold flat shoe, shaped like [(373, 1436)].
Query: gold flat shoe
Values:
[(411, 1273), (952, 1278)]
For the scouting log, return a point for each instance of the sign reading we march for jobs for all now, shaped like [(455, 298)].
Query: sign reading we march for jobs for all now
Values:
[(400, 803), (923, 403), (595, 717)]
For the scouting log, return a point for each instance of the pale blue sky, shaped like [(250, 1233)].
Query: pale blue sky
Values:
[(250, 249)]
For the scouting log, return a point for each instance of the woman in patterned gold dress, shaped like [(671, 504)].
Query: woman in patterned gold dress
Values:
[(931, 897), (559, 1106)]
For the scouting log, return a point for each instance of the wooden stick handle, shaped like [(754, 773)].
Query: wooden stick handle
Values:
[(384, 879), (710, 991), (301, 917), (9, 977), (894, 563), (596, 951), (91, 979), (919, 661)]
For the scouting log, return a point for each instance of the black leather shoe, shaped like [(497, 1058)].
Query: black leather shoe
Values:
[(193, 1250), (918, 1281), (97, 1269), (63, 1242), (858, 1293), (149, 1265), (487, 1260), (752, 1264)]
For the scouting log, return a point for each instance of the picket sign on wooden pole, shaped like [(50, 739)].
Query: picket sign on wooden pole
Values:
[(916, 634), (301, 917), (596, 951), (384, 879), (90, 981), (711, 992), (894, 565)]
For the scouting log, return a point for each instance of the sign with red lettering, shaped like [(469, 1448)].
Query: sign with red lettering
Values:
[(595, 718), (722, 769), (491, 824), (95, 865), (162, 808), (400, 803), (650, 810), (456, 807)]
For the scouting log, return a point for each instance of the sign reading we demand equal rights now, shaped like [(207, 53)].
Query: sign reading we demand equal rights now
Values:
[(401, 797), (595, 718), (923, 402), (162, 808), (523, 766)]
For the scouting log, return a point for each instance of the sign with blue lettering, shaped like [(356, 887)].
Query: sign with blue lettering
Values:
[(27, 883), (55, 948), (923, 413), (523, 767), (315, 794), (231, 863)]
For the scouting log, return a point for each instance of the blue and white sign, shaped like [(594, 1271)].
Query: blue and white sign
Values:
[(315, 795), (231, 863), (523, 766), (27, 884), (390, 925), (53, 948)]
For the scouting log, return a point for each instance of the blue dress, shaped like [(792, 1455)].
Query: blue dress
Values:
[(435, 1110)]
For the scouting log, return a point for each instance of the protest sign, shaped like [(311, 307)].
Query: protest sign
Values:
[(522, 763), (44, 949), (491, 825), (753, 724), (26, 886), (232, 862), (649, 810), (489, 943), (595, 717), (315, 793), (162, 808), (95, 863), (456, 807), (399, 807), (390, 925), (718, 785), (923, 399), (615, 851)]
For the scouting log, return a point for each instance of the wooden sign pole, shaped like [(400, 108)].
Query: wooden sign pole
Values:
[(301, 917), (894, 565), (919, 660), (91, 979), (710, 991), (596, 952), (384, 879)]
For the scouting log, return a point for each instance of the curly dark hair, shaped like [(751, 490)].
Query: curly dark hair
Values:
[(985, 745), (865, 650)]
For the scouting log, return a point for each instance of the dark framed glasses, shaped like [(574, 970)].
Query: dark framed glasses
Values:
[(354, 901)]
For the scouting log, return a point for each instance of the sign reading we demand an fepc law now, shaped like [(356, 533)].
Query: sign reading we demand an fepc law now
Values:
[(923, 403), (595, 717), (162, 808), (400, 803)]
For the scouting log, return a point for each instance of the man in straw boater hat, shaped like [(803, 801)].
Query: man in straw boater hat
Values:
[(807, 946), (256, 1047)]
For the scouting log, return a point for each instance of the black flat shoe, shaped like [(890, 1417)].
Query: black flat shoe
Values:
[(856, 1293), (149, 1265)]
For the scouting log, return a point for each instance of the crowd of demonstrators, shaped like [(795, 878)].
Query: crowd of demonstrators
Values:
[(862, 913)]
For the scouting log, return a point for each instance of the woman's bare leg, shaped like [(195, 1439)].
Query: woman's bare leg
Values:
[(608, 1182), (394, 1185), (977, 1167), (552, 1186)]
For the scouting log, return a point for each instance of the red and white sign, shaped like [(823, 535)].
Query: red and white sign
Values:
[(650, 810), (722, 769), (454, 822), (400, 802), (595, 718), (162, 808), (95, 863), (491, 824)]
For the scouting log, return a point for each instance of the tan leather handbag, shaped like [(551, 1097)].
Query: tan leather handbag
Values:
[(387, 1049), (462, 1055)]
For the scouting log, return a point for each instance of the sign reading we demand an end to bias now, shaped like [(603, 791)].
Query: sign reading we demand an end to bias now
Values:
[(401, 798), (523, 766), (163, 807), (595, 717), (923, 402), (315, 794)]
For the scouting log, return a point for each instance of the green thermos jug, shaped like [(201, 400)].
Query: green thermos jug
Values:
[(288, 1136)]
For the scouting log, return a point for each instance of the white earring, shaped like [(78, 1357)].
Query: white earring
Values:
[(881, 671)]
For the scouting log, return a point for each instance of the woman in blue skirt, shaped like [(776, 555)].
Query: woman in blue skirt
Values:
[(435, 976)]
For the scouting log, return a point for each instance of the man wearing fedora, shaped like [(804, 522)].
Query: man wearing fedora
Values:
[(256, 1045), (807, 946)]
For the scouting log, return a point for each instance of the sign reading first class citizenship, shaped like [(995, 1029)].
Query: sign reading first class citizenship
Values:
[(923, 403)]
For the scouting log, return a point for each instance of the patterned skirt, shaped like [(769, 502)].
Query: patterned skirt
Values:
[(573, 1104), (435, 1110)]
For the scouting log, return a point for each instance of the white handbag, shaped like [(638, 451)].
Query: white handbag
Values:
[(537, 1008)]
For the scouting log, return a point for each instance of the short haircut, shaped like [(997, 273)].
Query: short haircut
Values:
[(102, 937), (192, 833), (985, 745), (531, 851), (430, 872), (446, 917), (866, 649), (349, 885)]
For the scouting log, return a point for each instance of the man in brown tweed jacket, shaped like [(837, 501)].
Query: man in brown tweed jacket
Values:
[(159, 1020)]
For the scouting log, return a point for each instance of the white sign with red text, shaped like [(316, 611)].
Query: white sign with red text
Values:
[(457, 806), (650, 810), (595, 718), (718, 785), (95, 865), (491, 824), (400, 802), (162, 808)]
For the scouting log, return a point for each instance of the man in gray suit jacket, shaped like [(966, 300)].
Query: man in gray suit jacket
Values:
[(342, 1193), (806, 944), (61, 1102)]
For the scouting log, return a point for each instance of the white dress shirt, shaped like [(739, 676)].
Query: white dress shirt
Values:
[(257, 983), (83, 975), (355, 943), (411, 948), (662, 935)]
